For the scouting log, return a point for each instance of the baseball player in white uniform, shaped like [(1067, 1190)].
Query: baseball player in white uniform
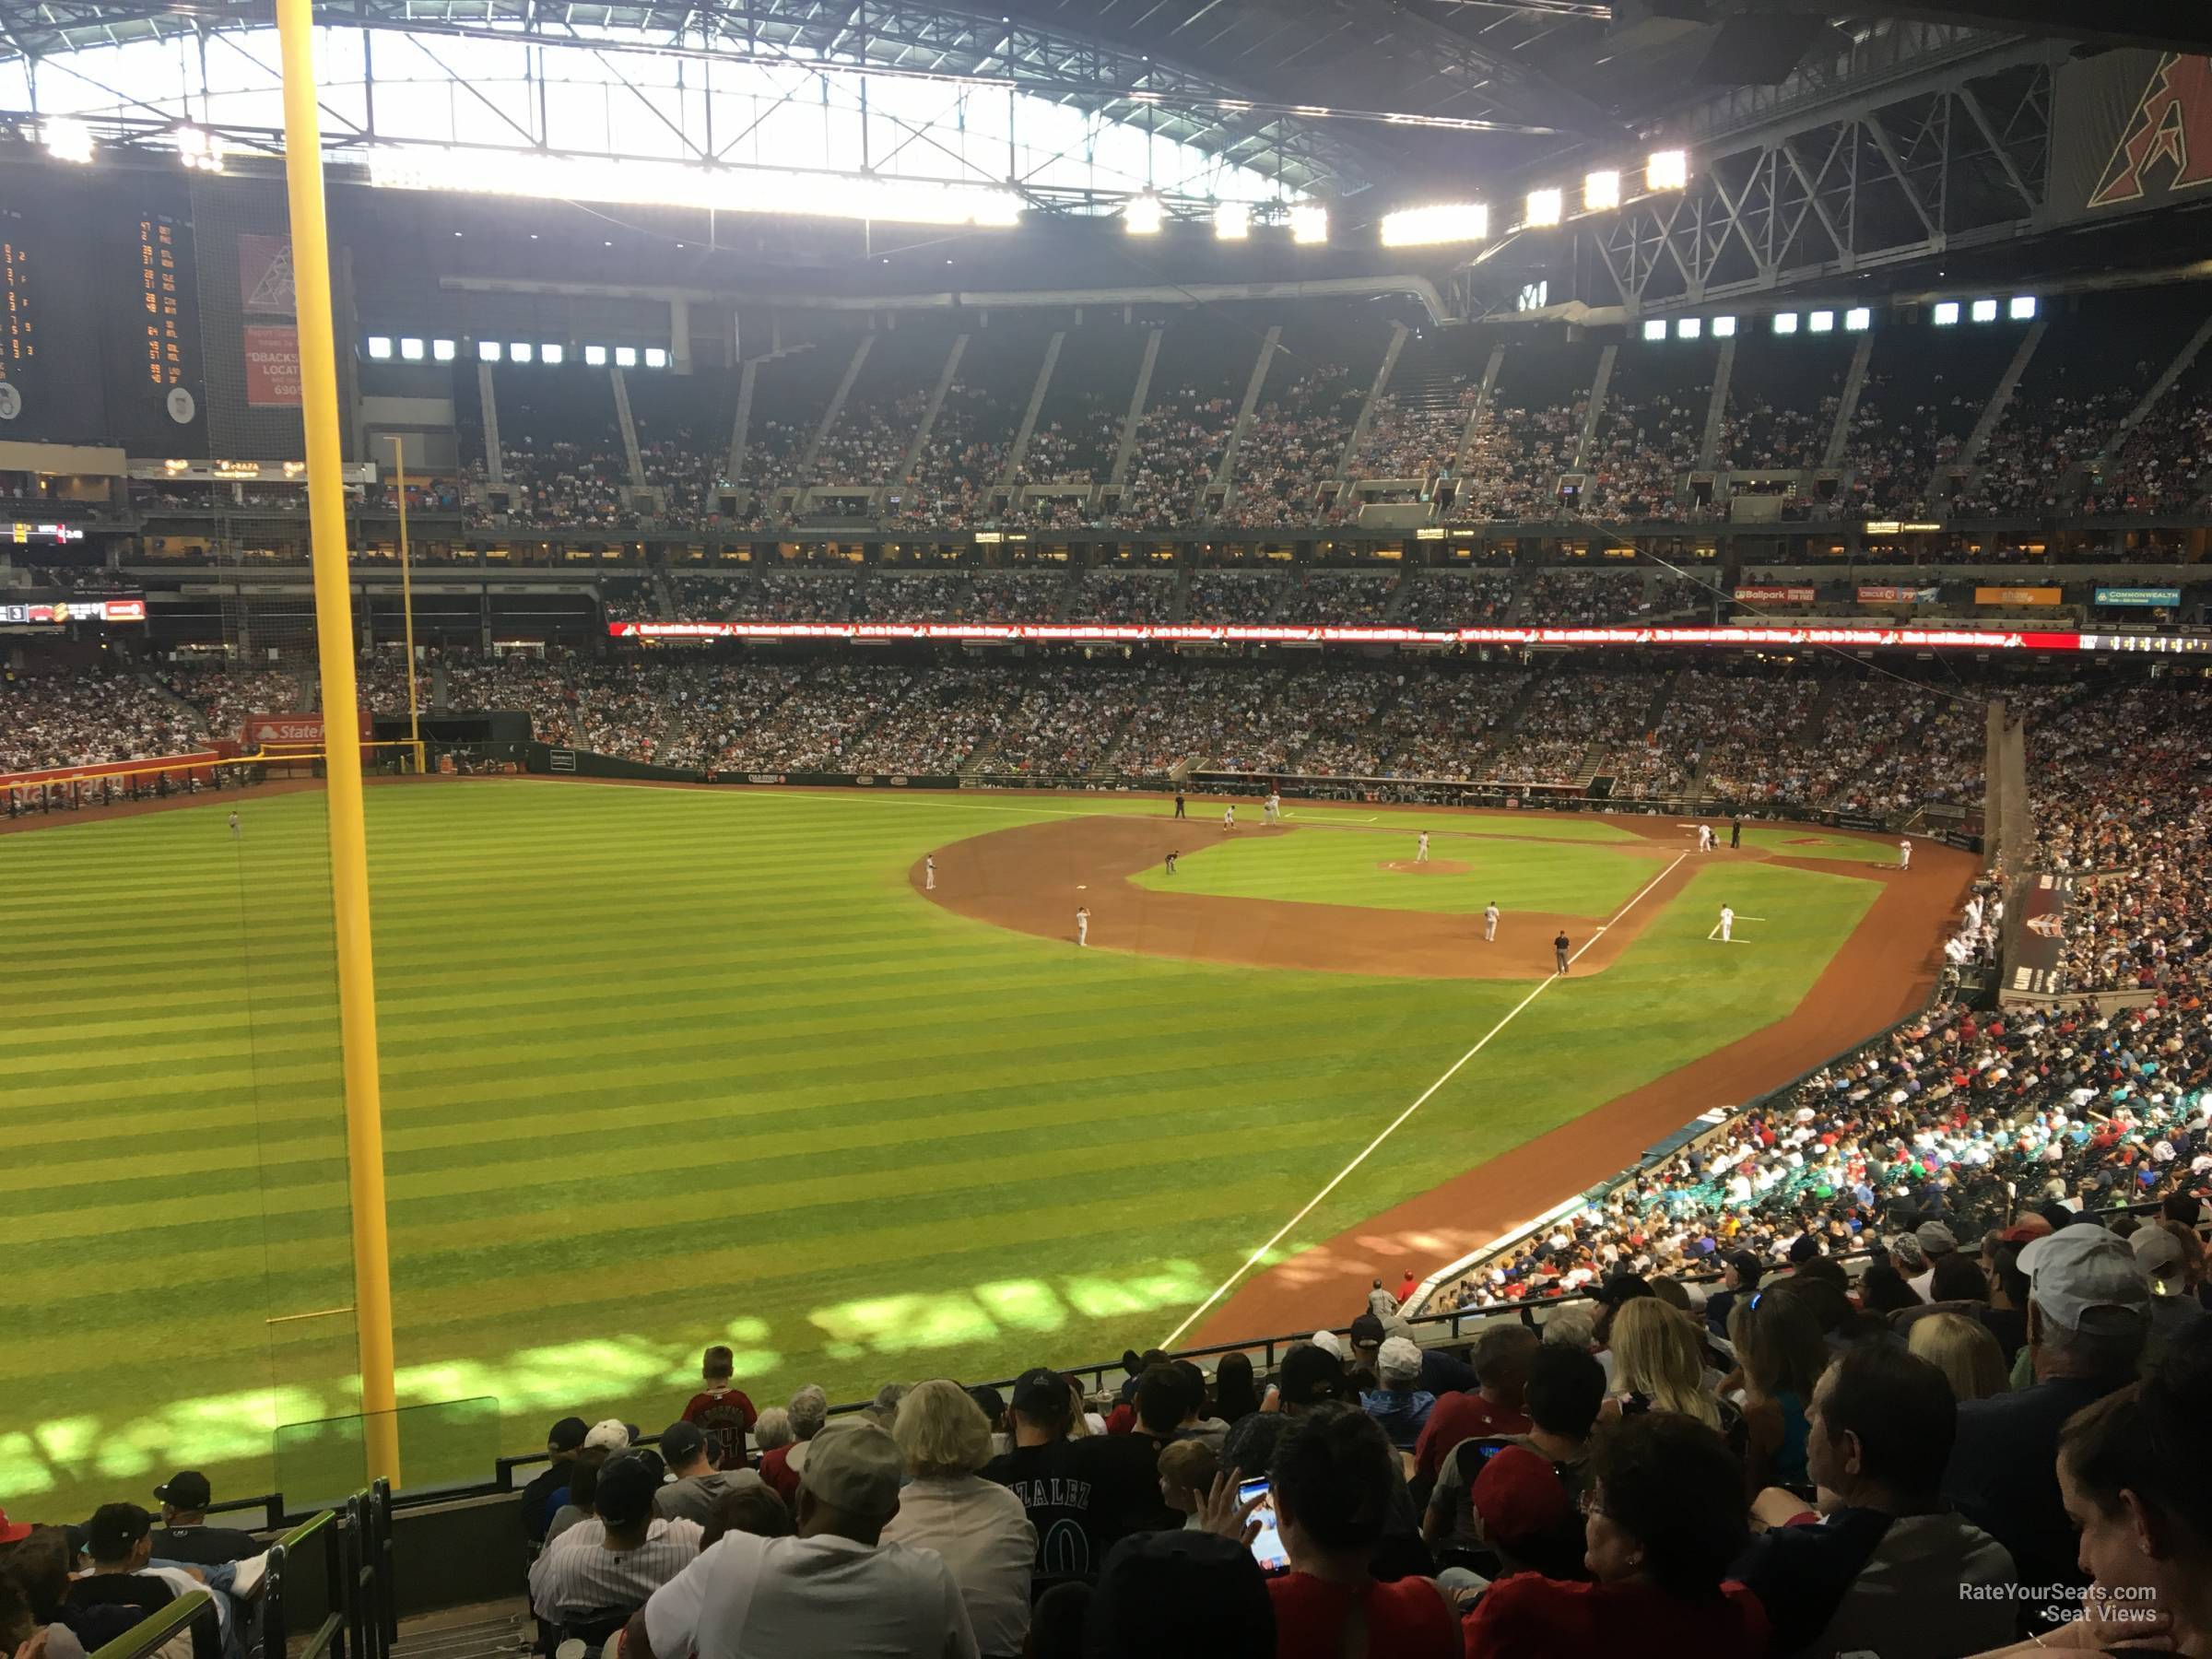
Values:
[(1490, 921), (1082, 925), (1228, 816), (929, 873), (1275, 807), (1420, 851), (1727, 922), (1904, 853), (1704, 838), (236, 833)]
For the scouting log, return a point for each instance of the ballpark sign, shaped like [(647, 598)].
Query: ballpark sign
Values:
[(290, 731), (2130, 129)]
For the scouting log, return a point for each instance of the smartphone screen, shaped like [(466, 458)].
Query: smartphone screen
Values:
[(1267, 1549)]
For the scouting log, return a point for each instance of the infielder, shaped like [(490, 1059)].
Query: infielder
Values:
[(1559, 952), (1172, 858), (1082, 925), (1704, 838), (1420, 852), (236, 833), (929, 873), (1490, 921), (1228, 816), (1727, 922), (1275, 807), (1904, 853)]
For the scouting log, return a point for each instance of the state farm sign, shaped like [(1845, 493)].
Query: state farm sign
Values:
[(290, 731)]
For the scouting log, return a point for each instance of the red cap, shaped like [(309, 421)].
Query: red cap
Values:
[(1519, 1497), (13, 1532)]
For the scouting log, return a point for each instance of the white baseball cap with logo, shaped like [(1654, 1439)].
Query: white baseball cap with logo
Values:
[(2087, 1279)]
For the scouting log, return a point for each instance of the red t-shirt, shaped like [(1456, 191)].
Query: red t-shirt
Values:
[(726, 1417), (1408, 1619), (1459, 1417), (1531, 1617), (775, 1469)]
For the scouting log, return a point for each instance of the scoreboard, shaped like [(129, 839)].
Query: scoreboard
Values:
[(99, 313)]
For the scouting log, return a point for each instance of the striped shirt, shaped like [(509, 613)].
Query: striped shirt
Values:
[(578, 1574)]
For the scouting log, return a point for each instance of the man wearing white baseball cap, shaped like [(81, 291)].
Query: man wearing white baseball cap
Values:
[(834, 1588), (2089, 1317)]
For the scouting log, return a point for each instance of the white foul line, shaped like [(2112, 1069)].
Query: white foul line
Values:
[(1365, 1152)]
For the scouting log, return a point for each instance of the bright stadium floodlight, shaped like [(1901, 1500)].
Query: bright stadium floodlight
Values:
[(552, 177), (1666, 170), (1785, 322), (66, 140), (1144, 215), (1820, 322), (379, 346), (551, 353), (1945, 314), (1654, 328), (1858, 320), (1690, 328), (1985, 311), (1546, 206), (2021, 307), (203, 151), (1232, 221), (1424, 226), (488, 351), (519, 351), (595, 357), (1308, 224), (1724, 328), (442, 351), (656, 356), (626, 357), (1601, 191), (410, 351)]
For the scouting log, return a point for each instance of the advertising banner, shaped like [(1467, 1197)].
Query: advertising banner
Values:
[(272, 367), (2130, 129), (2139, 596), (72, 610), (265, 275), (2019, 596), (2034, 968), (291, 731), (1896, 595), (1775, 595)]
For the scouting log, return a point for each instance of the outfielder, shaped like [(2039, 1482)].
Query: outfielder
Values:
[(1490, 921), (1082, 925), (1420, 852), (236, 833), (1727, 922), (1904, 853), (929, 873)]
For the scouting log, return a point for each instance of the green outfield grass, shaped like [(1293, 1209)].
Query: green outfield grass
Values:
[(1574, 876), (665, 1067)]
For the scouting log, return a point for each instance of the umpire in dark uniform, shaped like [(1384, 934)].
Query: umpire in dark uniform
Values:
[(1178, 800), (1735, 833), (1559, 952)]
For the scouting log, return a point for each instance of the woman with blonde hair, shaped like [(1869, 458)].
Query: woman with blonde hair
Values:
[(978, 1526), (1965, 1351), (1780, 1354), (1659, 1365)]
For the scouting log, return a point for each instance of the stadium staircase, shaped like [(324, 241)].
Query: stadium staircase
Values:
[(1179, 608), (664, 594), (498, 1631), (1401, 591), (163, 692)]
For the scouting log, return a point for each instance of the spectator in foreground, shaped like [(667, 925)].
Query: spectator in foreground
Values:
[(1332, 1488), (1659, 1365), (780, 1467), (721, 1408), (834, 1587), (542, 1495), (1235, 1398), (1080, 1495), (1664, 1517), (1503, 1355), (1963, 1350), (119, 1547), (612, 1562), (1885, 1569), (976, 1525), (1186, 1474), (2088, 1320), (1398, 1401), (696, 1485), (1173, 1596), (185, 1534), (1566, 1388), (1780, 1353)]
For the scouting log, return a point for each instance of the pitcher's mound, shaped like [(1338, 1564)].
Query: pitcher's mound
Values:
[(1435, 866)]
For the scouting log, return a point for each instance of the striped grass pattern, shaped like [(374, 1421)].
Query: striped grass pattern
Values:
[(663, 1068)]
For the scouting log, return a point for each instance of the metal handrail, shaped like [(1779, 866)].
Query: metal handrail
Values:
[(150, 1633)]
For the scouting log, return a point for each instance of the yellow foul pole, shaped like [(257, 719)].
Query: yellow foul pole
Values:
[(406, 591), (341, 738)]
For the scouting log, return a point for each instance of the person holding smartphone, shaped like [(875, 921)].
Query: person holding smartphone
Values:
[(1317, 1522)]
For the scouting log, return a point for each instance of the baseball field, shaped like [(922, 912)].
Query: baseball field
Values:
[(665, 1067)]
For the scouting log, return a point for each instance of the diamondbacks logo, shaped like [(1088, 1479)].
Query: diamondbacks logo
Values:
[(2171, 128)]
